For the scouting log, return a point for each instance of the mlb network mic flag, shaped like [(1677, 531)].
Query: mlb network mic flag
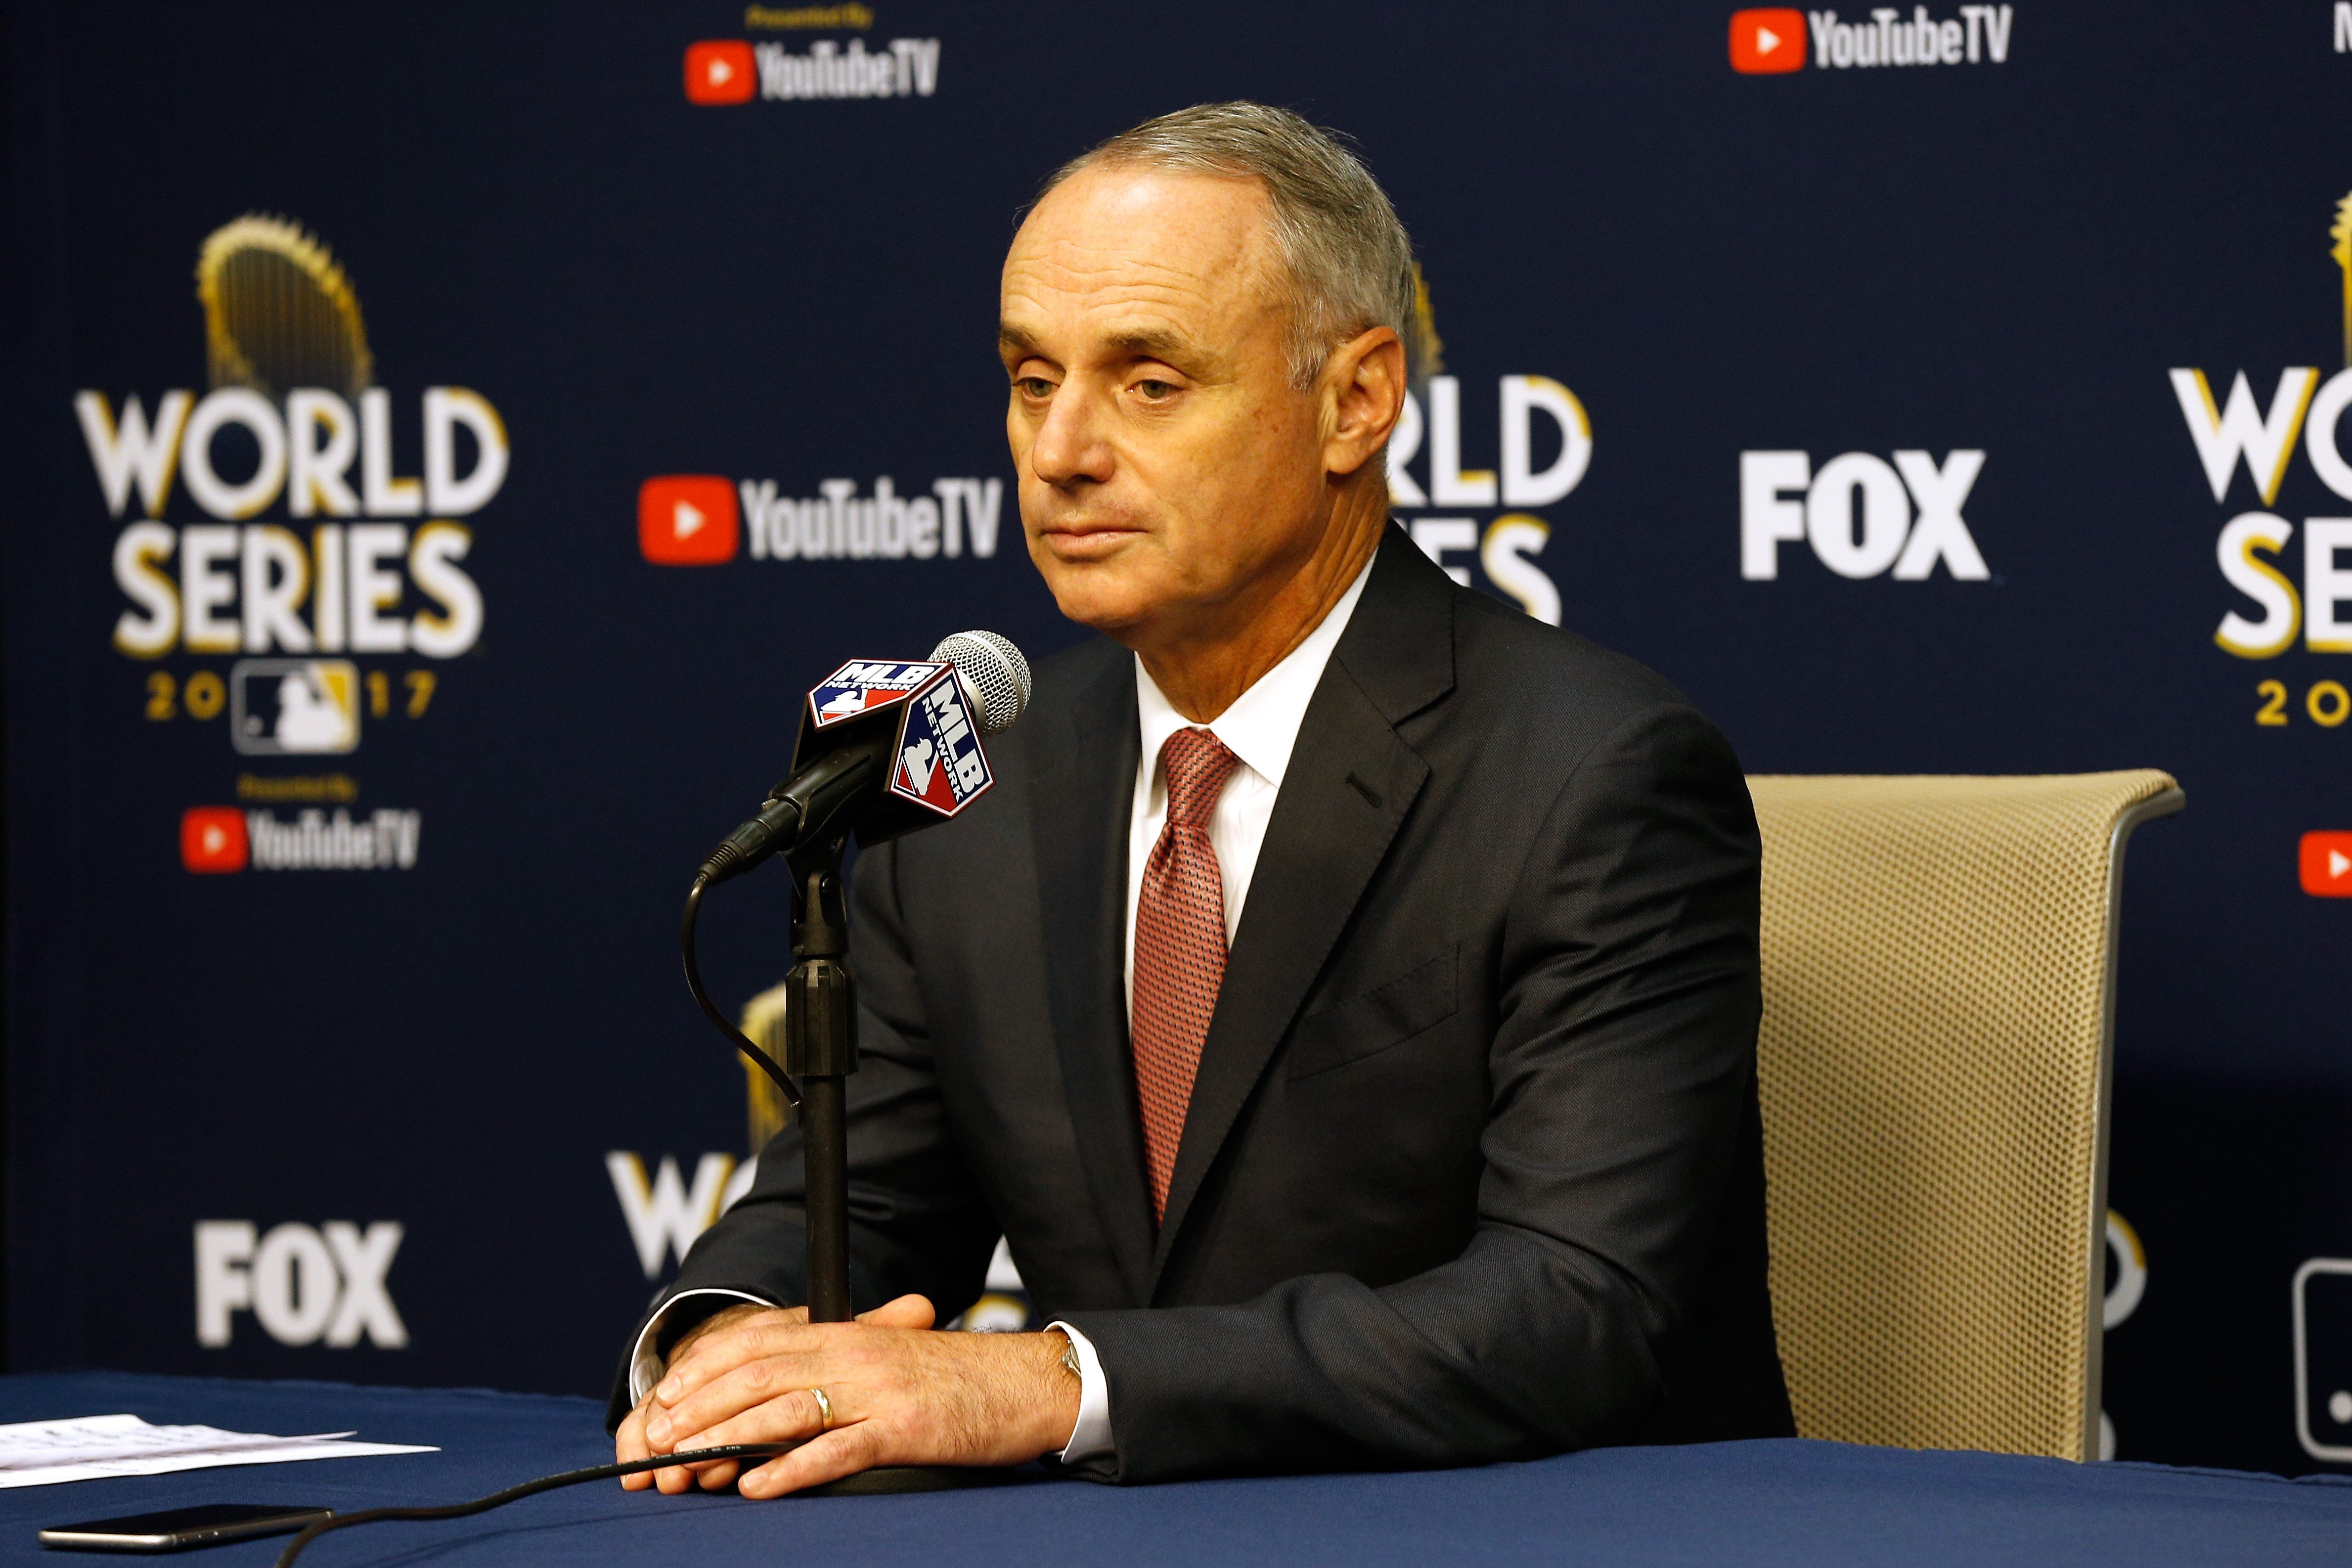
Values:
[(938, 762)]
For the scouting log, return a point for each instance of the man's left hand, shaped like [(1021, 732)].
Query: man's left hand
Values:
[(901, 1394)]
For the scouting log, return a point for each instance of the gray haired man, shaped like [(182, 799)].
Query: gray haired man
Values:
[(1345, 1004)]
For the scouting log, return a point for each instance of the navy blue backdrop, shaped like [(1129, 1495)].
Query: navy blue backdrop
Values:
[(1879, 375)]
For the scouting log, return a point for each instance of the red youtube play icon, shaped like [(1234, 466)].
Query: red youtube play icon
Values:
[(1767, 42), (212, 838), (687, 520), (2326, 865), (719, 70)]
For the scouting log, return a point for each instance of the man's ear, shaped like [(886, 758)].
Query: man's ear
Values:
[(1363, 382)]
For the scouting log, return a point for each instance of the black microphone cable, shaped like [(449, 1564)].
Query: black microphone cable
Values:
[(529, 1489), (746, 847), (719, 1020), (997, 678)]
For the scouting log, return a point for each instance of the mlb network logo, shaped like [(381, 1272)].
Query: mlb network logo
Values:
[(941, 763), (1768, 41)]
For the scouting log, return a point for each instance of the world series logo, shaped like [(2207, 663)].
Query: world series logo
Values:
[(1544, 446), (2280, 609), (294, 436), (312, 555)]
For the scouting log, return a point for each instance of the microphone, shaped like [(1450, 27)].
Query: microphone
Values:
[(886, 747), (994, 673)]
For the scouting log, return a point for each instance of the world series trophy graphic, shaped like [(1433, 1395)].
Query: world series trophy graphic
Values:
[(2341, 233), (886, 747), (278, 311)]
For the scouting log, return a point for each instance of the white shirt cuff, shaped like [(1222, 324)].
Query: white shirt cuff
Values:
[(1090, 1439), (645, 1361)]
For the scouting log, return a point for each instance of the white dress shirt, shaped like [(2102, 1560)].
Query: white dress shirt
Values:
[(1261, 727)]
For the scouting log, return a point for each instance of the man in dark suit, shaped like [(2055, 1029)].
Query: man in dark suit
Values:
[(1345, 1002)]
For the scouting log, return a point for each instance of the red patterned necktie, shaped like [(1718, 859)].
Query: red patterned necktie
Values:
[(1180, 949)]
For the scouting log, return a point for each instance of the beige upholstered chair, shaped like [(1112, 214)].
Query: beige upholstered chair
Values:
[(1939, 983), (1939, 1013)]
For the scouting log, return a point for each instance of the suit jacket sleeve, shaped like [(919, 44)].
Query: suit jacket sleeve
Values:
[(917, 1223), (1620, 1075)]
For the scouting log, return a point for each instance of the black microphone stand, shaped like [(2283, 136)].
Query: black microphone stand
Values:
[(810, 817), (821, 1052)]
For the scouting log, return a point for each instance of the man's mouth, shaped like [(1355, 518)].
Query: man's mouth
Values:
[(1087, 541)]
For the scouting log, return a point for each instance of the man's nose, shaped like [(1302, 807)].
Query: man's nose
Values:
[(1070, 445)]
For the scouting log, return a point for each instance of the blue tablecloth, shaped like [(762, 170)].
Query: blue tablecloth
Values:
[(1817, 1504)]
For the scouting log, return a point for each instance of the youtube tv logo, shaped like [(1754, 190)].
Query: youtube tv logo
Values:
[(1768, 42), (687, 520), (2325, 863), (212, 838), (719, 70)]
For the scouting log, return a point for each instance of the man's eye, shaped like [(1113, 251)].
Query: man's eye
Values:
[(1035, 386), (1153, 391)]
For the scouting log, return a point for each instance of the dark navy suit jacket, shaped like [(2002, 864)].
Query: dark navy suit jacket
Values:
[(1473, 1169)]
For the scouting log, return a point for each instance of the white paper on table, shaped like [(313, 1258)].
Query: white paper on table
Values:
[(42, 1453)]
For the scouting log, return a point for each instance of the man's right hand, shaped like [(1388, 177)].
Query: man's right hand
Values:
[(901, 1393), (629, 1442)]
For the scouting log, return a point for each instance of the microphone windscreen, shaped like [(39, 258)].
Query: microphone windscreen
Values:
[(994, 673)]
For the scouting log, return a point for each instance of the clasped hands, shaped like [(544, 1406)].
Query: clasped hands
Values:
[(900, 1394)]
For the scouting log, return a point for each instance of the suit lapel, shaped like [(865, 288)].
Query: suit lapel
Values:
[(1350, 782), (1085, 775)]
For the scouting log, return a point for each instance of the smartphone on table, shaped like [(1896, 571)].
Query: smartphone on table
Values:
[(178, 1529)]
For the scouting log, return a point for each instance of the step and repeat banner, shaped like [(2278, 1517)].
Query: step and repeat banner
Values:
[(445, 442)]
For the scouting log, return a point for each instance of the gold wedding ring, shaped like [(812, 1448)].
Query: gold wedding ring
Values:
[(824, 1410)]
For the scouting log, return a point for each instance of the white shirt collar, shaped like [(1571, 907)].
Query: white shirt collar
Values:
[(1261, 726)]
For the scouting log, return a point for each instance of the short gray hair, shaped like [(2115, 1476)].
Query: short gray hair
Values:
[(1349, 259)]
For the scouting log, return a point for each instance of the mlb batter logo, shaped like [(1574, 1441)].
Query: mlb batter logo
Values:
[(288, 707), (940, 765), (861, 686)]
